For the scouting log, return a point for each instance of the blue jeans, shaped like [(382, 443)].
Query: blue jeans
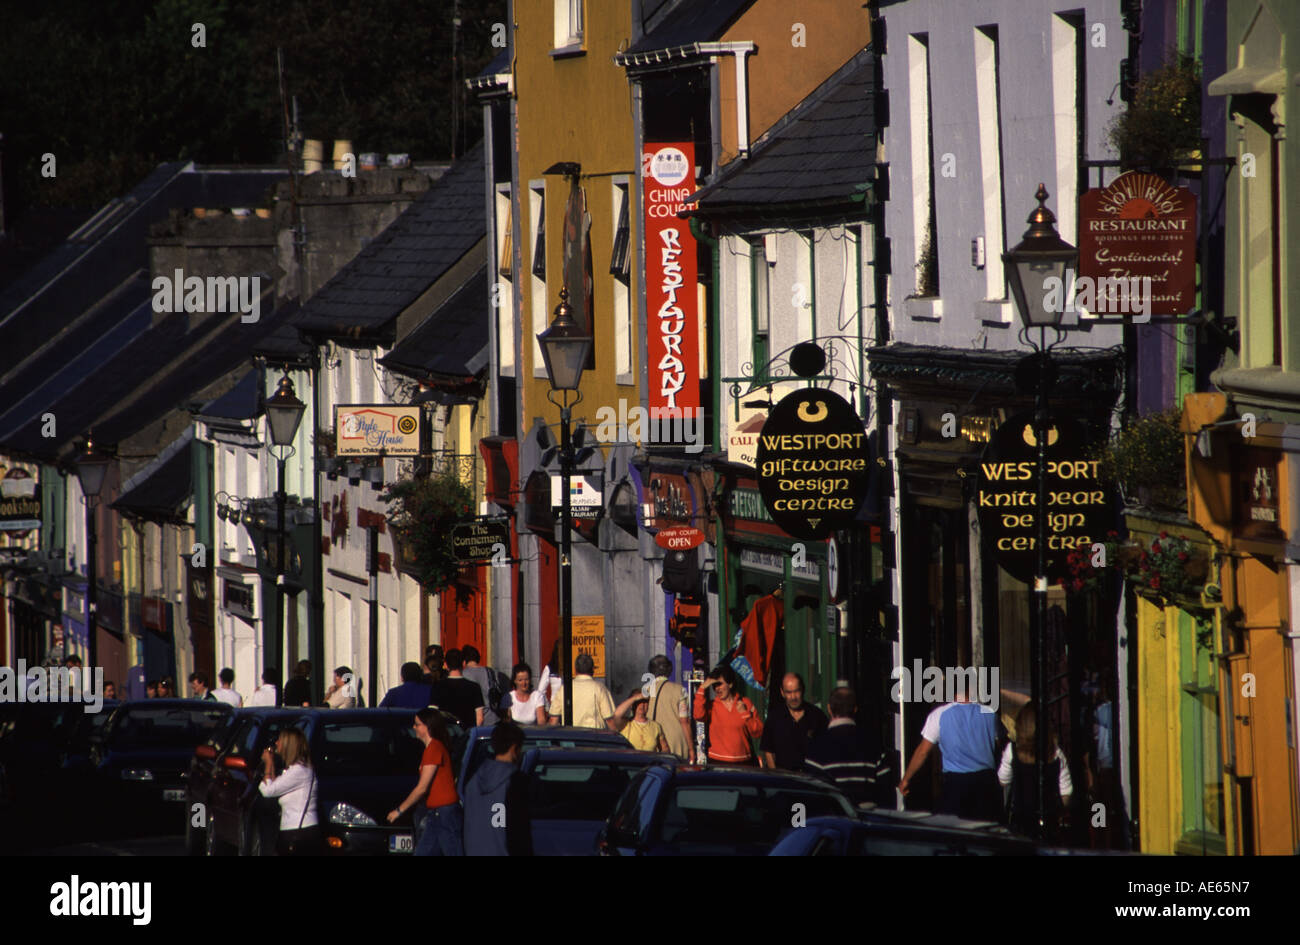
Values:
[(439, 832)]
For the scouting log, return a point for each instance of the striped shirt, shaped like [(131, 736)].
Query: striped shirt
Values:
[(844, 755)]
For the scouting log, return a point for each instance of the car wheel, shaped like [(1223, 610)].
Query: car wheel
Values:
[(213, 845)]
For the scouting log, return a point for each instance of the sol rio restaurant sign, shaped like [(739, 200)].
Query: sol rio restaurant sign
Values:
[(1080, 510), (813, 463)]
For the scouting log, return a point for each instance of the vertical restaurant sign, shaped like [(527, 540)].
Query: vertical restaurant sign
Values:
[(672, 329), (1140, 225)]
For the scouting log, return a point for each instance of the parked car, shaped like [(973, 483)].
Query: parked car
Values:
[(366, 761), (82, 732), (142, 758), (900, 833), (230, 760), (689, 810), (572, 791), (478, 747)]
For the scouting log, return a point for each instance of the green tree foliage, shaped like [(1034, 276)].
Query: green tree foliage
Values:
[(113, 89), (422, 512)]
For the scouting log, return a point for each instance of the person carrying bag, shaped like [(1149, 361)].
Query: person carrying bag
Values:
[(296, 790)]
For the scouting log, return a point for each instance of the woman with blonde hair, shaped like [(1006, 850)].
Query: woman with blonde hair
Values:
[(296, 790), (1018, 771)]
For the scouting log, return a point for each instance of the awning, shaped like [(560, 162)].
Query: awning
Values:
[(164, 493), (1247, 79)]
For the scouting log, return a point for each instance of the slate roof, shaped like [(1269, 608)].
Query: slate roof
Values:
[(163, 493), (363, 299), (106, 250), (691, 21), (241, 402), (446, 345), (822, 153)]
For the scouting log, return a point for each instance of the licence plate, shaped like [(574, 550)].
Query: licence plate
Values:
[(174, 795), (401, 843)]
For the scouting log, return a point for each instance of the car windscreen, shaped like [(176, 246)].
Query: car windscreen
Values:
[(169, 727), (481, 750), (721, 814), (578, 791), (366, 747)]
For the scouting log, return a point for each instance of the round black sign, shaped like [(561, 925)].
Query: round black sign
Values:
[(1080, 508), (813, 463)]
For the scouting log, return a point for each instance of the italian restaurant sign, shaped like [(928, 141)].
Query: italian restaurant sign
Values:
[(367, 429), (1080, 510), (813, 463), (1140, 226), (672, 330)]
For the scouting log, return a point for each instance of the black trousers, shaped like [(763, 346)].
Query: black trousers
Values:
[(973, 795), (304, 842)]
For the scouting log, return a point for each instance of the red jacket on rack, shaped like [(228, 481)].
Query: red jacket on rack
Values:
[(758, 635)]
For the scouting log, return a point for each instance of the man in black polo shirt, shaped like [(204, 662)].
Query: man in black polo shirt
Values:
[(458, 695), (850, 757), (791, 725)]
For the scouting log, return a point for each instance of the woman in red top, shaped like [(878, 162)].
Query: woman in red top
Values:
[(732, 719), (438, 832)]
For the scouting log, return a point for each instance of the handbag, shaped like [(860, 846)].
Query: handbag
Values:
[(296, 845)]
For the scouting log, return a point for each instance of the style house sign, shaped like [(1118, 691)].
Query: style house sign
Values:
[(368, 429), (672, 342)]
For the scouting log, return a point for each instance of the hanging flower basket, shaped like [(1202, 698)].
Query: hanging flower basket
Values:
[(1146, 459), (1171, 571), (422, 512)]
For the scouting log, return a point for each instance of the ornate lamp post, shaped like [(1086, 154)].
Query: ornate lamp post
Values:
[(565, 349), (283, 414), (92, 468), (1035, 267)]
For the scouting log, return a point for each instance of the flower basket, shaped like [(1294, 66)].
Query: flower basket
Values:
[(422, 513), (1148, 461), (1171, 570)]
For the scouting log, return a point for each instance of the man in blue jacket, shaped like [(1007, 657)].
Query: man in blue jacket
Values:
[(411, 694), (496, 800)]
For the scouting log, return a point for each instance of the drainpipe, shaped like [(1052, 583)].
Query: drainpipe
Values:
[(740, 51)]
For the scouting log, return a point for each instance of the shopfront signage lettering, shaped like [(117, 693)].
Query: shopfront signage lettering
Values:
[(668, 172), (478, 542), (813, 463), (1139, 227), (369, 429), (1079, 502)]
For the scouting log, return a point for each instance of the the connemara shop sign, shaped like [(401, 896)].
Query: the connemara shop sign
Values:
[(1139, 227), (1080, 510), (813, 463)]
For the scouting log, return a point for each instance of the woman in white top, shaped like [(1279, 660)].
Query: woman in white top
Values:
[(296, 789), (552, 685), (343, 694), (1017, 772), (526, 705)]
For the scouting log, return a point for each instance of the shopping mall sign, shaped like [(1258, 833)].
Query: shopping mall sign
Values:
[(1080, 507), (813, 463), (672, 330), (1140, 226)]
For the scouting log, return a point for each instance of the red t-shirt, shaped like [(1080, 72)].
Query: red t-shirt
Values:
[(443, 790)]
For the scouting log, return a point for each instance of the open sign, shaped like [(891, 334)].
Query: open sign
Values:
[(679, 538)]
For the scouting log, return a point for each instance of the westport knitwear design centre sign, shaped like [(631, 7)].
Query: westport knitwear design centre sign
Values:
[(813, 463)]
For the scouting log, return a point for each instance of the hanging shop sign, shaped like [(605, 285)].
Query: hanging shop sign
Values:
[(1255, 494), (1080, 508), (478, 542), (368, 429), (589, 638), (20, 501), (586, 497), (814, 463), (680, 538), (672, 340), (1140, 226)]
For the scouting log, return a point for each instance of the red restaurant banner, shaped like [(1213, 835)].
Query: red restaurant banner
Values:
[(672, 342), (1141, 225)]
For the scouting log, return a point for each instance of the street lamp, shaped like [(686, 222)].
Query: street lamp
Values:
[(1036, 269), (92, 468), (565, 349), (283, 414)]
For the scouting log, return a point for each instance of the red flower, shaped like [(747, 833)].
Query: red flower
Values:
[(1112, 534), (1164, 534), (1155, 581), (1077, 585), (1182, 556), (1155, 547)]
